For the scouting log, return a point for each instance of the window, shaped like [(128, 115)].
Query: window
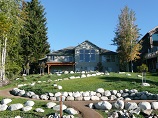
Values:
[(52, 57), (87, 55), (108, 58), (68, 59)]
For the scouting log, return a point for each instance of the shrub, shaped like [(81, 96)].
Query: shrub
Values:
[(142, 68)]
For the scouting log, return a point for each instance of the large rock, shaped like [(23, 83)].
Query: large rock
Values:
[(143, 97), (114, 92), (39, 110), (76, 94), (131, 105), (60, 97), (103, 105), (29, 103), (94, 98), (145, 84), (154, 105), (15, 91), (50, 94), (79, 98), (57, 107), (100, 90), (112, 97), (3, 107), (104, 98), (144, 105), (65, 94), (29, 94), (35, 97), (57, 94), (6, 101), (91, 105), (86, 98), (14, 107), (26, 108), (53, 98), (85, 94), (21, 93), (70, 94), (70, 98), (60, 87), (71, 111), (44, 97), (92, 93), (119, 104), (107, 93), (50, 104)]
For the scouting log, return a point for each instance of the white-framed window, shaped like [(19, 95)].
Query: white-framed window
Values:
[(87, 55)]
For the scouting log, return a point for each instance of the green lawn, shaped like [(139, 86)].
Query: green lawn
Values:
[(29, 114), (114, 81)]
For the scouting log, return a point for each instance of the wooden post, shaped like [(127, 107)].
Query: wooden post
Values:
[(60, 106), (48, 68)]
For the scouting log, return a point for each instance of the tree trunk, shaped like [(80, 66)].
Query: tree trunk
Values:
[(0, 60), (127, 67), (4, 50), (42, 71)]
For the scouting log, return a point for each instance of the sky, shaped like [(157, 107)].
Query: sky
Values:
[(71, 22)]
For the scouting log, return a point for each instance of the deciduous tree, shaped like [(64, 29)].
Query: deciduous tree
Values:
[(10, 26), (126, 38)]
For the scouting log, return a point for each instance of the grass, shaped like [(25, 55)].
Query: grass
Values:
[(29, 114), (114, 81)]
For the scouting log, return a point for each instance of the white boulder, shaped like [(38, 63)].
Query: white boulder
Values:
[(71, 111), (3, 107), (119, 104), (39, 110), (6, 101), (130, 105), (29, 103), (154, 105), (14, 107), (144, 105), (26, 108), (57, 107), (100, 90), (103, 105), (50, 104)]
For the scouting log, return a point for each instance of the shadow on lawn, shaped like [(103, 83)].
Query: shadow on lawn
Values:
[(127, 79)]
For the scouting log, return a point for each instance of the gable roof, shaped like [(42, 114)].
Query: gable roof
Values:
[(88, 43), (107, 52), (71, 50), (64, 51)]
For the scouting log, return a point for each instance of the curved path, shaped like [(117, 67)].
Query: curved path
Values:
[(85, 111)]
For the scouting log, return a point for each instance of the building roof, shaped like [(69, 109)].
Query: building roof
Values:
[(71, 50), (64, 51), (107, 52)]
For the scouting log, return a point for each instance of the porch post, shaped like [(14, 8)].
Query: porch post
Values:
[(48, 69)]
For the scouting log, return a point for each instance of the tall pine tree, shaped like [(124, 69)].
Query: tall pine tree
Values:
[(34, 35), (126, 39)]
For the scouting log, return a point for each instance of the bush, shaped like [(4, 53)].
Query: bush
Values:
[(142, 68)]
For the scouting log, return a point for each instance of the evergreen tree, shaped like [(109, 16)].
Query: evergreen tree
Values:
[(126, 38), (34, 36)]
